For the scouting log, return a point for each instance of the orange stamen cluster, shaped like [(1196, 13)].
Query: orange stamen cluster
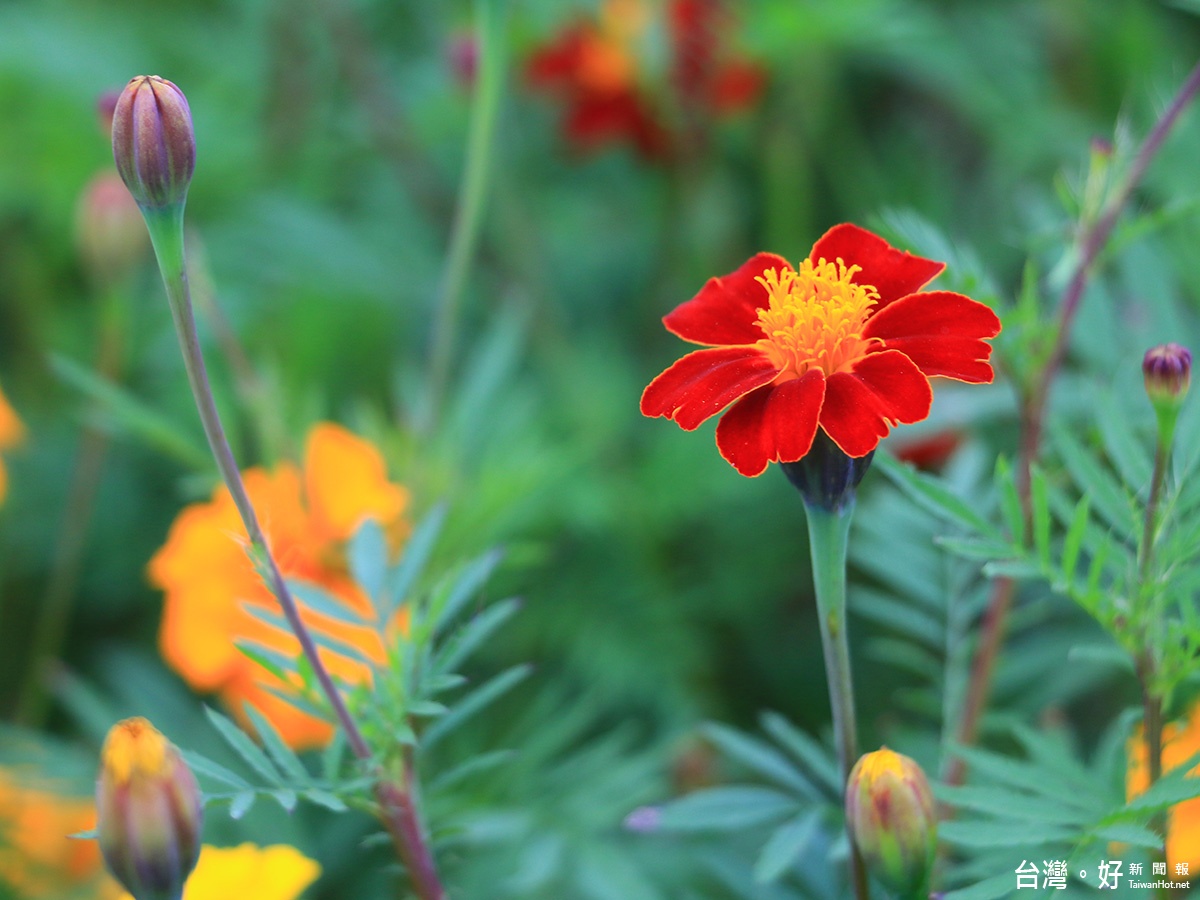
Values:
[(814, 318)]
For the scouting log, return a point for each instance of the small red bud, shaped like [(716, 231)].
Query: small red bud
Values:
[(153, 142), (1167, 369)]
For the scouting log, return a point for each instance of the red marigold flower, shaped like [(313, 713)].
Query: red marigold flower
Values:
[(846, 342), (601, 72)]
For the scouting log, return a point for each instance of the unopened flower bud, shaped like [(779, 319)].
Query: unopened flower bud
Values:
[(890, 811), (1167, 369), (148, 810), (153, 142), (111, 235)]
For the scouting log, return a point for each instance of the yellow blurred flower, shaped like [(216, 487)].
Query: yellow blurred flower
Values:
[(37, 858), (1181, 741), (308, 516), (11, 432), (262, 873)]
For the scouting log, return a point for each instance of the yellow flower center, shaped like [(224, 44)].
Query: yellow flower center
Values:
[(134, 748), (814, 318)]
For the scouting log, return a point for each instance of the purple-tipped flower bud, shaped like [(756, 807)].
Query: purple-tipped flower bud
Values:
[(153, 142), (890, 811), (1167, 369), (148, 811)]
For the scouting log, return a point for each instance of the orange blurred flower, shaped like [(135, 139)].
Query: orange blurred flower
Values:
[(600, 70), (1181, 741), (308, 516), (37, 858), (11, 433)]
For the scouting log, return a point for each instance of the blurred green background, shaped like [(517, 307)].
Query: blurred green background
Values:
[(660, 588)]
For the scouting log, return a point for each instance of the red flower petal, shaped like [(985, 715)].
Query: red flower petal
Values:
[(881, 390), (592, 119), (725, 311), (894, 273), (776, 423), (557, 64), (703, 383), (942, 332)]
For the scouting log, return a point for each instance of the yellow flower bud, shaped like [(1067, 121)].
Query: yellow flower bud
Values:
[(148, 810), (889, 807)]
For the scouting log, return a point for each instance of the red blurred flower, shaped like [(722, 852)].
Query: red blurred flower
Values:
[(598, 70), (846, 342)]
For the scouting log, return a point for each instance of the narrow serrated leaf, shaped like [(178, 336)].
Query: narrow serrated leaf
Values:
[(286, 798), (475, 701), (325, 799), (726, 809), (1073, 542), (934, 495), (241, 803), (784, 846), (758, 758), (321, 601), (241, 743), (368, 558), (462, 642), (475, 765), (465, 586), (285, 759), (1040, 509), (403, 578), (202, 765), (816, 760)]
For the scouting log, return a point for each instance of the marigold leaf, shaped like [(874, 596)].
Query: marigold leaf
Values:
[(325, 799), (465, 586), (278, 664), (1040, 507), (321, 601), (1010, 501), (477, 700), (285, 759), (1106, 494), (241, 804), (202, 765), (404, 576), (468, 637), (1073, 542), (759, 758), (476, 764), (933, 494), (286, 798), (1129, 833), (816, 760), (1005, 834), (368, 558), (726, 809), (784, 845), (241, 743)]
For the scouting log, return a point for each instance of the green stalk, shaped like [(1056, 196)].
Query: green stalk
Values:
[(469, 215), (397, 804), (828, 536)]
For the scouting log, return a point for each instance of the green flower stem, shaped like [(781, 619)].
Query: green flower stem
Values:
[(396, 801), (469, 215), (1153, 702), (828, 537), (1033, 413)]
